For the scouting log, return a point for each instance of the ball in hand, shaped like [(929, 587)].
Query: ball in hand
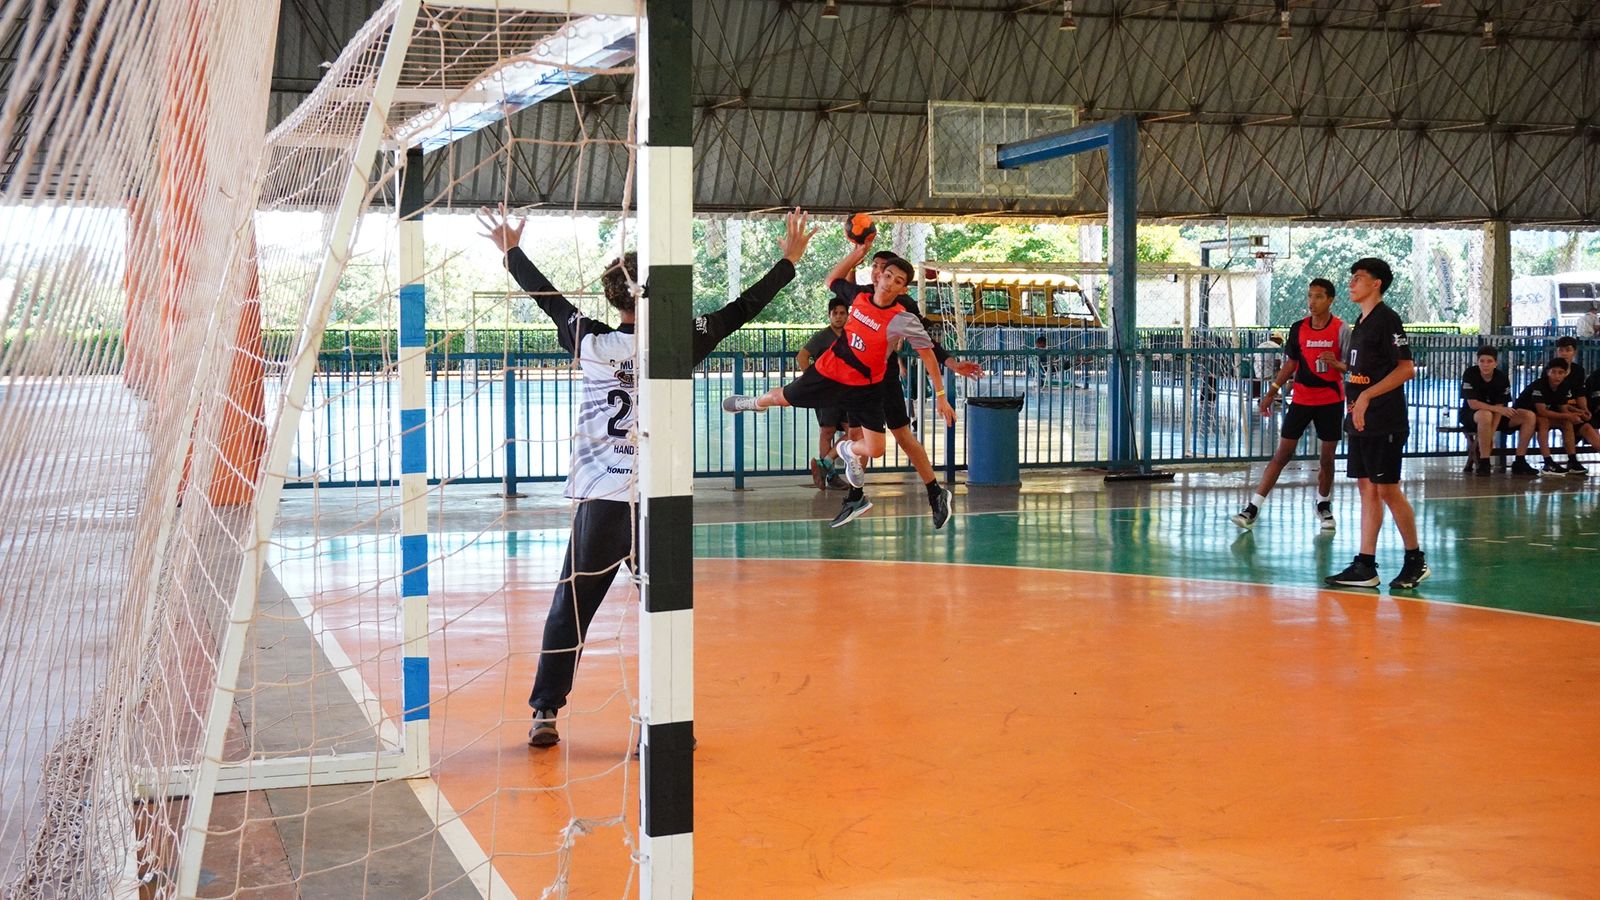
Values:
[(858, 228)]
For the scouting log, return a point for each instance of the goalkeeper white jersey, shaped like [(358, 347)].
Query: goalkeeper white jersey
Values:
[(604, 439)]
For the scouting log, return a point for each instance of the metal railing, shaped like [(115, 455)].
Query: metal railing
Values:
[(507, 417)]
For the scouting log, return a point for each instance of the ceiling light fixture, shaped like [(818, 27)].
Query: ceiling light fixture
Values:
[(1068, 22), (1490, 42), (830, 9)]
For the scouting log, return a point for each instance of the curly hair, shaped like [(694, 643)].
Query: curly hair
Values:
[(620, 276)]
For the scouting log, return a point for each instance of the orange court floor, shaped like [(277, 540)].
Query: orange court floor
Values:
[(1071, 690)]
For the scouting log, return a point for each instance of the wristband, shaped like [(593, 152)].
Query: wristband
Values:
[(938, 393)]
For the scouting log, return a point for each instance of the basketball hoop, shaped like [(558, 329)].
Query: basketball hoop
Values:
[(1265, 260)]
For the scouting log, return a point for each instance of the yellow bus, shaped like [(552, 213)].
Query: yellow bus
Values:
[(987, 295)]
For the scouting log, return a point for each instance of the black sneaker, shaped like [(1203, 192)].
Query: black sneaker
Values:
[(1521, 467), (543, 733), (850, 511), (1246, 518), (1576, 468), (1414, 572), (1551, 467), (1325, 515), (941, 508), (1483, 467), (1466, 469), (1357, 574)]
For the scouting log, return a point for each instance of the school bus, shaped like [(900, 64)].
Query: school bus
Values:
[(986, 295)]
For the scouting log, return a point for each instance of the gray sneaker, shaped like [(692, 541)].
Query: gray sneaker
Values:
[(543, 733), (851, 511), (854, 472), (738, 403)]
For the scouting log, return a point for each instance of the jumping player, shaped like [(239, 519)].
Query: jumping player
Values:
[(896, 418), (850, 373)]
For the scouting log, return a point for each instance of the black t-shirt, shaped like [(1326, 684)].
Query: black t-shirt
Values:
[(1377, 346), (1577, 378), (1542, 392), (1495, 392), (820, 342), (1591, 389)]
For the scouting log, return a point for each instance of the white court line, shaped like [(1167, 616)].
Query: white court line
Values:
[(1017, 512), (447, 822), (1303, 588)]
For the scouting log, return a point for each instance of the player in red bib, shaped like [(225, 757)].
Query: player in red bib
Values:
[(850, 374), (1315, 346)]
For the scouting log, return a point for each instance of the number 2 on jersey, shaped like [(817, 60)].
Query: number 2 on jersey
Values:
[(624, 403)]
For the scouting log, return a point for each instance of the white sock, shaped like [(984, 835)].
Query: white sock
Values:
[(1258, 500), (1324, 498)]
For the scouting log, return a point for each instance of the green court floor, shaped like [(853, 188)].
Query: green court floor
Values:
[(1536, 552)]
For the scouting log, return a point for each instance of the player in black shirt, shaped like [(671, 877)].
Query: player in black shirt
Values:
[(1577, 380), (1486, 408), (1550, 399), (1377, 366), (830, 419)]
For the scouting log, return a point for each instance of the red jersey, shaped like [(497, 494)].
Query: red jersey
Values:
[(861, 355), (1305, 345)]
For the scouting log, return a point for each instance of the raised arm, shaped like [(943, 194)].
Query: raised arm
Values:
[(506, 236), (712, 328), (851, 260)]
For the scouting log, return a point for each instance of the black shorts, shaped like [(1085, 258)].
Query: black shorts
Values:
[(1375, 457), (1502, 423), (861, 405), (895, 414), (1329, 418), (830, 417)]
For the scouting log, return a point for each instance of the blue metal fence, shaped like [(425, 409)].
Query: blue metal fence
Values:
[(494, 415)]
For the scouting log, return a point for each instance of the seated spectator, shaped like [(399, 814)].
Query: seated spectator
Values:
[(1047, 365), (1567, 349), (1486, 408), (1547, 397), (825, 470)]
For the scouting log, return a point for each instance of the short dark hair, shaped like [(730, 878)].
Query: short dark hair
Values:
[(837, 300), (1567, 340), (1488, 351), (902, 265), (1557, 362), (1378, 269), (620, 275), (1326, 285), (884, 254)]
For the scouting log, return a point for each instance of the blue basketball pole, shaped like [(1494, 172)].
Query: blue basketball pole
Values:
[(1120, 139)]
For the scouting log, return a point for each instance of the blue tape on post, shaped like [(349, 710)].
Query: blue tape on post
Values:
[(413, 442), (413, 310), (414, 672), (414, 565)]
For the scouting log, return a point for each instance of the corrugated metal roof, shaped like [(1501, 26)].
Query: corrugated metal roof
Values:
[(1369, 111)]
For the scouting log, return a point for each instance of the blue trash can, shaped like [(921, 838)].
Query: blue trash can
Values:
[(992, 427)]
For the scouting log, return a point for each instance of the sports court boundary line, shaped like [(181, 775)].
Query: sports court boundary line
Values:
[(1298, 588)]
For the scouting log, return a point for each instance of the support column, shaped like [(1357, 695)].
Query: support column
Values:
[(1494, 301), (413, 463), (733, 240), (666, 454), (1123, 221)]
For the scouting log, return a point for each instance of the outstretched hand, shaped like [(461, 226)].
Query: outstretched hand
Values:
[(796, 236), (964, 368), (498, 228)]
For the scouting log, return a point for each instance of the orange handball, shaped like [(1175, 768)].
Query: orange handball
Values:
[(858, 228)]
